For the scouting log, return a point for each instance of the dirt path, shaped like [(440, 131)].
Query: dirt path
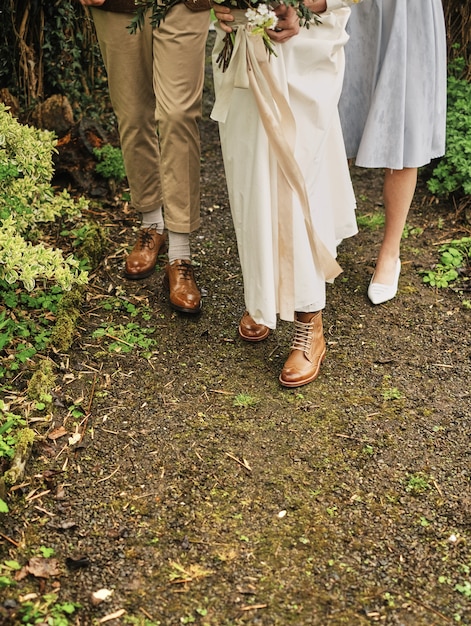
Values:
[(202, 492)]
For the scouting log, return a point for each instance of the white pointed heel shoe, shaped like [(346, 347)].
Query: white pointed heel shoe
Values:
[(379, 293)]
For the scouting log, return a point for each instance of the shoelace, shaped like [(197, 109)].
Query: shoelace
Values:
[(302, 336), (146, 238), (186, 270)]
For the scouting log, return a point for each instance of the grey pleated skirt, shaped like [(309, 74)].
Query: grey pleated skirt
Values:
[(393, 103)]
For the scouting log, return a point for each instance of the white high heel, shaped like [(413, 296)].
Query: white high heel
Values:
[(379, 293)]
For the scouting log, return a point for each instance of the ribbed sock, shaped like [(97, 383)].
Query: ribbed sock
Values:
[(178, 246), (153, 219)]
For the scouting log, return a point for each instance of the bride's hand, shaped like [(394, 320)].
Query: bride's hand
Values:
[(316, 6), (287, 26)]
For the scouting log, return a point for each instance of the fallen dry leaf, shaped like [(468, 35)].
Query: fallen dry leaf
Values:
[(57, 433), (40, 568)]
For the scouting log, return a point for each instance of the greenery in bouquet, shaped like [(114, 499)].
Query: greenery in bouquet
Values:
[(159, 9), (260, 15)]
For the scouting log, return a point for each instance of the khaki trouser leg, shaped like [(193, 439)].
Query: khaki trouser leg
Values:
[(179, 55), (128, 62)]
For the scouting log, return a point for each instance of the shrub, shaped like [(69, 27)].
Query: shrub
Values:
[(27, 200), (452, 175)]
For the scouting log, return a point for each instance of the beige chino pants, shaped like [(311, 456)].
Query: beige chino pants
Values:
[(155, 80)]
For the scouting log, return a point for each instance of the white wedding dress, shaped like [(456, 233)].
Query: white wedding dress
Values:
[(308, 69)]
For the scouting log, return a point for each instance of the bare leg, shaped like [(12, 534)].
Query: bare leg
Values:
[(398, 192)]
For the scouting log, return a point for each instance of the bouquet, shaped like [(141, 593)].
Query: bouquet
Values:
[(260, 14)]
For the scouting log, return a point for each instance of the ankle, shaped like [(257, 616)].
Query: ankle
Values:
[(306, 317), (178, 246), (153, 219)]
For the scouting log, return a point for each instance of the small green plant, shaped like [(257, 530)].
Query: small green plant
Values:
[(46, 552), (464, 589), (10, 425), (47, 610), (412, 231), (455, 258), (6, 569), (26, 324), (76, 411), (244, 400), (392, 394), (124, 338), (121, 304), (371, 221), (417, 483), (110, 162), (389, 600)]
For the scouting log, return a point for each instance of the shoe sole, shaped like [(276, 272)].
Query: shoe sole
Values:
[(183, 310), (141, 275), (253, 339), (291, 385)]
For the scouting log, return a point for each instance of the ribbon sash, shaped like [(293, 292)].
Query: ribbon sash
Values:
[(249, 67)]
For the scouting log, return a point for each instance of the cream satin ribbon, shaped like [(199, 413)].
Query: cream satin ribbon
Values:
[(249, 67)]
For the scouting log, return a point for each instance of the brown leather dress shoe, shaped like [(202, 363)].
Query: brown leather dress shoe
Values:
[(249, 330), (142, 260), (185, 296), (307, 351)]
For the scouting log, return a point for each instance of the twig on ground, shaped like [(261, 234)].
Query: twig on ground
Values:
[(108, 477), (17, 545), (431, 609), (243, 463)]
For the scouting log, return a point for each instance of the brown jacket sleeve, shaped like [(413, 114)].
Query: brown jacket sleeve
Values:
[(118, 6)]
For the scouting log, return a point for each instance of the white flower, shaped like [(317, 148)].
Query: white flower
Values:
[(260, 18)]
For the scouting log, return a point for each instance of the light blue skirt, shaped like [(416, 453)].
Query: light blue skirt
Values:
[(393, 103)]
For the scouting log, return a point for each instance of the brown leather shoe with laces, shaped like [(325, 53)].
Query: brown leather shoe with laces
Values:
[(185, 296), (249, 330), (307, 351), (142, 260)]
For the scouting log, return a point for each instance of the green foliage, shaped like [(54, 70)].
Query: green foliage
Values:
[(372, 221), (10, 425), (417, 483), (158, 9), (244, 400), (25, 262), (110, 162), (42, 383), (50, 48), (454, 262), (26, 324), (33, 276), (464, 589), (453, 172), (115, 303), (47, 610), (125, 337), (27, 200), (392, 394)]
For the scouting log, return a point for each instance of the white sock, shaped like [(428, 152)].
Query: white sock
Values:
[(178, 246), (153, 219)]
